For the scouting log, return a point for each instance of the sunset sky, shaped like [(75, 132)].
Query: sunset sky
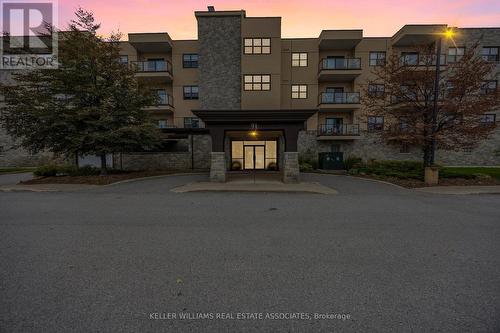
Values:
[(304, 18)]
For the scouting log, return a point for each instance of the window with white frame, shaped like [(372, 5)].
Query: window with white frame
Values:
[(299, 59), (257, 45), (257, 82), (299, 91)]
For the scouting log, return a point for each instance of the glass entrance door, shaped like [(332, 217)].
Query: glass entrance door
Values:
[(254, 157)]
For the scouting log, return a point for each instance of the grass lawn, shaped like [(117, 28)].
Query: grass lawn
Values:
[(15, 170), (469, 172)]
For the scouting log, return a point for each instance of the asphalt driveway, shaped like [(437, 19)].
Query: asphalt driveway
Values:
[(123, 258)]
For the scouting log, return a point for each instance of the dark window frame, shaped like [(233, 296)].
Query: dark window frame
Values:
[(299, 85), (190, 63), (254, 47), (486, 116), (375, 126), (485, 89), (299, 60), (486, 57), (190, 95), (376, 92), (377, 60), (188, 122), (253, 82), (452, 58), (123, 62)]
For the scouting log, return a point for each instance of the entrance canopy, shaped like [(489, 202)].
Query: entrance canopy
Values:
[(290, 122)]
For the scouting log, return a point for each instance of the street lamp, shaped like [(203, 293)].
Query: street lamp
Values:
[(448, 34)]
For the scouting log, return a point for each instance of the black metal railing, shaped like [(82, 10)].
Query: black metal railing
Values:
[(339, 63), (152, 66), (338, 129), (339, 98)]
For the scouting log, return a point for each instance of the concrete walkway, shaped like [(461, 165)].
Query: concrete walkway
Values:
[(257, 186), (460, 189)]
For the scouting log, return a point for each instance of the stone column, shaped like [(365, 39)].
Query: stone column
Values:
[(217, 167), (291, 167)]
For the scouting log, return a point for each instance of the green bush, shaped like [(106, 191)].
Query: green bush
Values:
[(469, 172), (352, 162), (308, 164), (46, 171), (305, 166), (68, 170), (398, 169)]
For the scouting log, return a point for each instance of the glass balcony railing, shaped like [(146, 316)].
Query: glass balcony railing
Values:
[(340, 63), (152, 66), (421, 60), (338, 129), (165, 100), (339, 98)]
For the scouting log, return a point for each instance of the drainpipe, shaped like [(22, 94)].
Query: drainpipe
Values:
[(192, 152)]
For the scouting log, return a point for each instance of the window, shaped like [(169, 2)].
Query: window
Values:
[(123, 59), (299, 59), (455, 54), (257, 82), (488, 87), (467, 150), (190, 60), (190, 92), (257, 45), (376, 90), (375, 123), (299, 91), (377, 58), (192, 122), (403, 125), (409, 58), (488, 118), (490, 54), (162, 124), (404, 148)]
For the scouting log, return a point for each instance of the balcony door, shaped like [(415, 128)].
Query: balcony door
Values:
[(334, 125), (335, 94), (336, 62)]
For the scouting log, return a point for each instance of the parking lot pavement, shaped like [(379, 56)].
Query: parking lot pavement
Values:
[(125, 257)]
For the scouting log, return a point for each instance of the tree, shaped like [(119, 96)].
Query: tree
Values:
[(90, 104), (402, 91)]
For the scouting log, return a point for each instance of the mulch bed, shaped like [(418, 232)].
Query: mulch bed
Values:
[(94, 180), (415, 183)]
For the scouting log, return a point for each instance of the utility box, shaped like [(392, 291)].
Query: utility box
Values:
[(331, 161)]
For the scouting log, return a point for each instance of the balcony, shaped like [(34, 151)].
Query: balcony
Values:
[(338, 132), (339, 69), (339, 101), (420, 62), (165, 104), (153, 70)]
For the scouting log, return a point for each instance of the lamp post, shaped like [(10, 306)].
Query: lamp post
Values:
[(431, 173)]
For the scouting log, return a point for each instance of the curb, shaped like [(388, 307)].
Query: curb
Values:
[(153, 177)]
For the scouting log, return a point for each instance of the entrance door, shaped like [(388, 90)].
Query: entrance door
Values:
[(255, 157)]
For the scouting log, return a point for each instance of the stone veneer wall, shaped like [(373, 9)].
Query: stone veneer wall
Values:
[(219, 39), (487, 153), (197, 159)]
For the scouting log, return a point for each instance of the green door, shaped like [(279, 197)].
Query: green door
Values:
[(331, 161)]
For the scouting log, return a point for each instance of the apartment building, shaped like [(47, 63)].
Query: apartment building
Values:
[(264, 100), (241, 97)]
